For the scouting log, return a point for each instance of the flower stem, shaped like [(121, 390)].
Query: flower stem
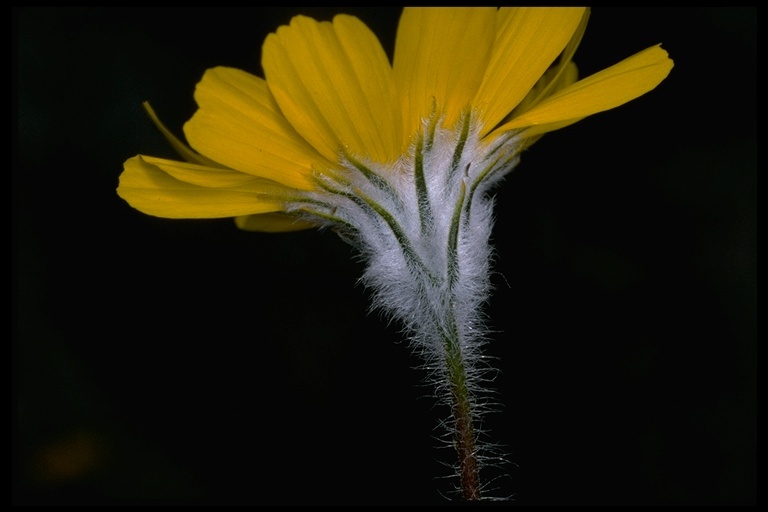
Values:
[(461, 409)]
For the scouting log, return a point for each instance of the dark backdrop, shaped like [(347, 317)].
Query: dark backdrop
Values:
[(186, 361)]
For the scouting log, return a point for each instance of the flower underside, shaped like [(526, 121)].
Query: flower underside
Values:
[(423, 221), (399, 159), (423, 224)]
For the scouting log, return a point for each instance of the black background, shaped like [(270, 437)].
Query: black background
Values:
[(188, 362)]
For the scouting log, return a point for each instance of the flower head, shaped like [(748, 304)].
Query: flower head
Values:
[(331, 93)]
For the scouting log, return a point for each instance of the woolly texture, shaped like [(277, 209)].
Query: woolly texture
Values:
[(423, 226)]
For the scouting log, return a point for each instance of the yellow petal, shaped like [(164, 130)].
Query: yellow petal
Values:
[(558, 76), (272, 223), (604, 90), (239, 125), (148, 185), (566, 77), (217, 177), (440, 55), (333, 82), (527, 41)]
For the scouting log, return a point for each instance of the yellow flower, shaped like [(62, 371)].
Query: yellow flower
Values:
[(330, 93), (398, 159)]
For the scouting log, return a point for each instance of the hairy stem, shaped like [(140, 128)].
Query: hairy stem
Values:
[(461, 409)]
